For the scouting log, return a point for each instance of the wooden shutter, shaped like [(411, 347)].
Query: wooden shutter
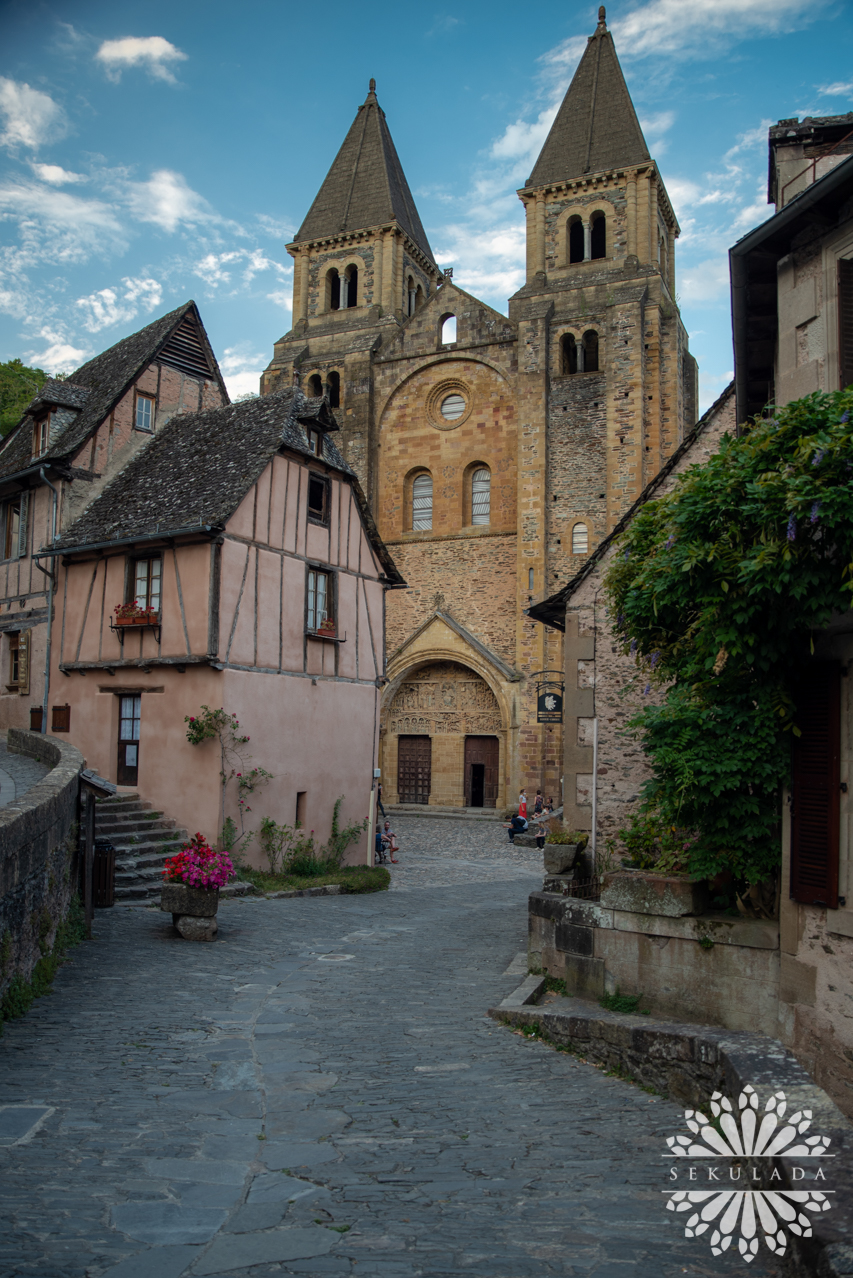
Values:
[(61, 719), (816, 787), (21, 548), (845, 322)]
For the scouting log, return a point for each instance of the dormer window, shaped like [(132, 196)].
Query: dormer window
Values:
[(318, 498), (41, 435), (315, 442), (145, 412)]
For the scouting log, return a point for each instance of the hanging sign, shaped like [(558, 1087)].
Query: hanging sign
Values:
[(549, 706)]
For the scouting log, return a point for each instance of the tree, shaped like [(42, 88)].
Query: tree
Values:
[(717, 589), (18, 385)]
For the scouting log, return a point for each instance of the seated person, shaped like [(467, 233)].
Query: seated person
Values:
[(517, 825)]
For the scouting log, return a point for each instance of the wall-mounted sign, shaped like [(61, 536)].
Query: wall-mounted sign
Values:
[(549, 695), (549, 706)]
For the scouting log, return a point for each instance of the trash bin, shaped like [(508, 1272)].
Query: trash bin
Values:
[(104, 875)]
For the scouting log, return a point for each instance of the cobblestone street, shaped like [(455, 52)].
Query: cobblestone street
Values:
[(320, 1092)]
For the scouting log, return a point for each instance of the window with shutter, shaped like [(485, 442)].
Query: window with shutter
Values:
[(816, 787), (845, 322), (22, 525)]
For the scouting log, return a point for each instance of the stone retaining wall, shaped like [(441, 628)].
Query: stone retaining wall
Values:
[(688, 1063), (37, 855)]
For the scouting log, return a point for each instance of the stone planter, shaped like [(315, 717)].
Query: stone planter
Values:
[(193, 910), (560, 857), (642, 892)]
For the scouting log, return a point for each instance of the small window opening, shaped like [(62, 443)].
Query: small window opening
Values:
[(318, 491), (448, 330), (334, 390), (315, 442), (530, 579), (569, 354), (315, 385), (481, 496), (13, 526), (333, 285), (319, 601), (41, 435), (301, 808), (146, 583), (598, 238), (350, 297), (576, 240), (590, 352), (580, 539), (422, 503), (452, 407), (145, 412), (14, 660)]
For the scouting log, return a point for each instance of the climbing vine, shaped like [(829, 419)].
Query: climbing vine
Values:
[(716, 589), (225, 728)]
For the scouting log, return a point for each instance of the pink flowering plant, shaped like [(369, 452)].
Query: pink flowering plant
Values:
[(199, 865)]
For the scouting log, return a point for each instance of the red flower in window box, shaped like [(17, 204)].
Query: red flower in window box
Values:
[(130, 614), (327, 627)]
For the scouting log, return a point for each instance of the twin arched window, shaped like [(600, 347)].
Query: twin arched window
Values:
[(579, 356), (332, 387), (587, 241), (478, 499), (341, 290)]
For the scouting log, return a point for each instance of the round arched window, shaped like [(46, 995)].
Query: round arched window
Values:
[(580, 540), (452, 407)]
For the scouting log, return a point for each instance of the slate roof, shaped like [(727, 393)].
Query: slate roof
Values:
[(95, 389), (366, 185), (596, 128), (552, 611), (199, 467)]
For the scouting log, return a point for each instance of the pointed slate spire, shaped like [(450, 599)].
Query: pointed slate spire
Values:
[(596, 128), (366, 185)]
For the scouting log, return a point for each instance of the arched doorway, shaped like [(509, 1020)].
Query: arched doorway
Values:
[(443, 739)]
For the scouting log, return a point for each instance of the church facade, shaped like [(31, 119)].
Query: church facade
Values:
[(496, 451)]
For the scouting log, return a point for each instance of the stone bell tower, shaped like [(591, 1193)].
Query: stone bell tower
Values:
[(610, 382)]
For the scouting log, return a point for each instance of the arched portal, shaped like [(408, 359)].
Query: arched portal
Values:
[(443, 739)]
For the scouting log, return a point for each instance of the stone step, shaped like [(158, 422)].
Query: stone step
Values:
[(107, 820), (128, 844), (456, 814), (154, 857), (143, 832), (121, 801)]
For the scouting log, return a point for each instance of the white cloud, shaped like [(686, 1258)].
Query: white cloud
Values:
[(524, 140), (282, 297), (752, 138), (59, 356), (167, 200), (104, 308), (213, 267), (56, 175), (242, 370), (841, 89), (30, 116), (654, 126), (665, 27), (57, 226), (151, 52), (706, 281)]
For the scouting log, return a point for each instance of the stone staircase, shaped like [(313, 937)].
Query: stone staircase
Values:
[(143, 839)]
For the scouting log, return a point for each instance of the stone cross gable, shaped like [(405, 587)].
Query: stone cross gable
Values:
[(496, 451)]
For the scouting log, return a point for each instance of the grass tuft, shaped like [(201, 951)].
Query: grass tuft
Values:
[(352, 878)]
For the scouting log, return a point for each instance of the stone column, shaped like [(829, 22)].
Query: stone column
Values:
[(632, 214), (670, 240), (540, 233), (303, 284), (530, 213), (388, 272), (587, 244)]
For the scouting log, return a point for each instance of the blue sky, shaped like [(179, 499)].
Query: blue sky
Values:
[(156, 152)]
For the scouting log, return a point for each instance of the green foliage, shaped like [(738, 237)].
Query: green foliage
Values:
[(224, 727), (620, 1002), (352, 878), (18, 385), (651, 845), (19, 994), (556, 986), (340, 839), (565, 837), (716, 589)]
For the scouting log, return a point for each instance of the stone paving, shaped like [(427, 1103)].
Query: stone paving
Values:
[(321, 1093), (17, 774)]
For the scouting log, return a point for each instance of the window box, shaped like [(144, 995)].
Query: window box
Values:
[(131, 616)]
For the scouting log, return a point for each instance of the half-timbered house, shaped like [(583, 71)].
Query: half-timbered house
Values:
[(243, 542), (75, 436)]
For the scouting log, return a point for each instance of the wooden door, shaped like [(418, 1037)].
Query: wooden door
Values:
[(481, 771), (128, 739), (414, 769), (816, 787)]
